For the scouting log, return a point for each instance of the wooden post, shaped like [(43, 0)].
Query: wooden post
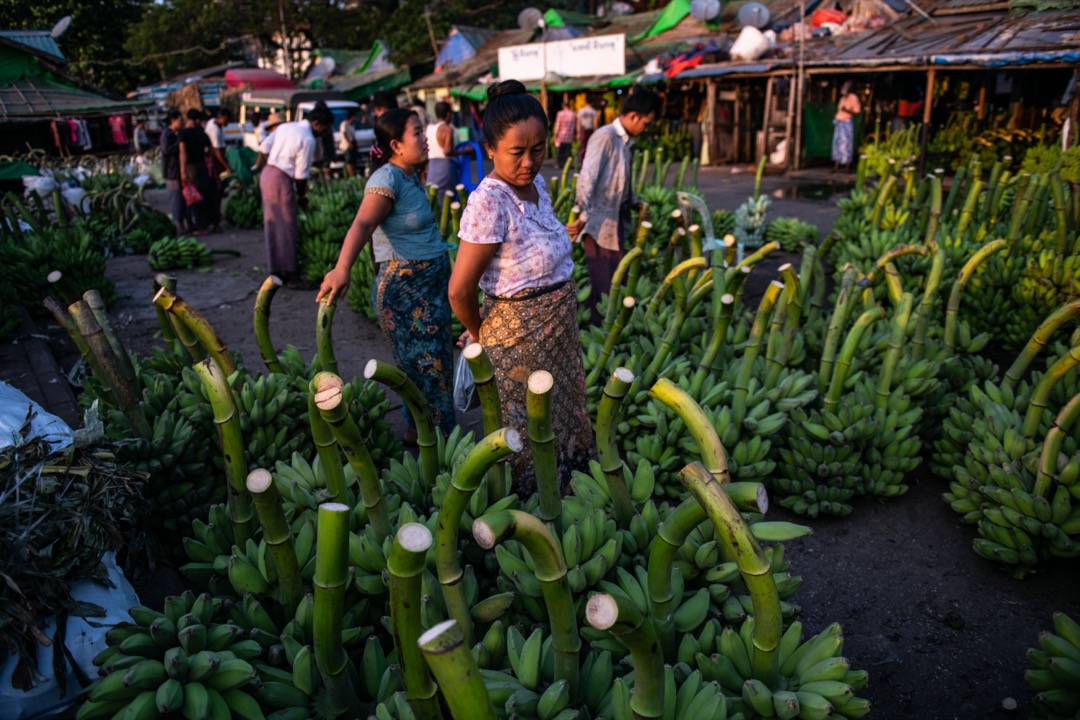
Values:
[(1074, 111), (928, 103), (793, 86), (709, 128), (763, 146)]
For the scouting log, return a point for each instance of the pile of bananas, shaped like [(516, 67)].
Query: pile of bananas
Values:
[(170, 253), (1054, 671), (332, 205), (723, 223), (149, 226), (183, 661), (27, 258), (750, 223), (243, 209), (790, 234)]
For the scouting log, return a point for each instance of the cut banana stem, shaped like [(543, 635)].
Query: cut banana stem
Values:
[(669, 538), (123, 392), (952, 310), (607, 444), (757, 256), (788, 327), (186, 338), (634, 255), (447, 653), (1040, 339), (889, 256), (883, 196), (542, 442), (232, 447), (731, 250), (324, 340), (845, 301), (494, 447), (892, 354), (326, 446), (490, 410), (847, 356), (168, 330), (1041, 395), (669, 280), (199, 327), (806, 272), (618, 615), (262, 322), (1020, 209), (628, 304), (330, 400), (779, 314), (933, 280), (405, 564), (967, 213), (716, 344), (426, 438), (60, 314), (330, 581), (752, 350), (93, 300), (278, 537), (893, 283), (1048, 459), (738, 543), (63, 287), (644, 227), (550, 568), (1060, 226), (670, 336)]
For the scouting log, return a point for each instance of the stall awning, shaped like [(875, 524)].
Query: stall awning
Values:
[(35, 98), (358, 87), (259, 78)]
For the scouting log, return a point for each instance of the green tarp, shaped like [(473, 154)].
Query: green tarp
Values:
[(16, 170), (389, 81), (818, 130), (240, 160), (671, 16), (15, 64)]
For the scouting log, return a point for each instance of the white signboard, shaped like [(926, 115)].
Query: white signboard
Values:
[(581, 57)]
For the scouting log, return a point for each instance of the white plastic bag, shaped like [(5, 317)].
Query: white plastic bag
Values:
[(465, 397)]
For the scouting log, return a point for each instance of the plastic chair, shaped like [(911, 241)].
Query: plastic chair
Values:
[(470, 165)]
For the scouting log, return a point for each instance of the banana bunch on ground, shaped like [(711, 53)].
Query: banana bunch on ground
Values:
[(960, 428), (331, 208), (1054, 671), (750, 221), (150, 225), (723, 223), (170, 253), (208, 545), (816, 681), (361, 283), (27, 258), (180, 662), (790, 233), (243, 209)]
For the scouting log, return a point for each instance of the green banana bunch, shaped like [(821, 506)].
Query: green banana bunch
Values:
[(170, 253), (183, 660), (790, 233), (1054, 670), (243, 209)]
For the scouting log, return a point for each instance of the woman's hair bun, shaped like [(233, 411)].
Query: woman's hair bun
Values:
[(505, 87)]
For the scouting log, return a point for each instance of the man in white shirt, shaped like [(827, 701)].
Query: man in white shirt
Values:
[(215, 130), (586, 126), (283, 184), (347, 141)]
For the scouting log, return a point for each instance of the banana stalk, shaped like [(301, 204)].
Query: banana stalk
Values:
[(324, 341), (893, 284), (426, 438), (550, 568), (738, 544), (785, 326), (1041, 395), (751, 351), (184, 336), (628, 304), (716, 343), (937, 269), (952, 310), (806, 272), (64, 288), (879, 204), (892, 355), (60, 314), (326, 445), (330, 402), (1060, 225), (695, 241), (1020, 209), (674, 242), (841, 312), (168, 332), (889, 256), (331, 580), (484, 379), (607, 444), (542, 442), (618, 615), (198, 326), (669, 280), (262, 323), (748, 496), (670, 536), (93, 300), (447, 653), (278, 537), (731, 250), (232, 447), (758, 255), (999, 191), (671, 334), (860, 172), (433, 198), (444, 217), (635, 266), (462, 196), (958, 181), (115, 379), (466, 479), (847, 355), (631, 257), (1048, 459), (1039, 340), (405, 564), (967, 212)]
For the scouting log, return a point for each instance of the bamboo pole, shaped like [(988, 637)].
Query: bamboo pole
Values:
[(262, 322), (278, 538)]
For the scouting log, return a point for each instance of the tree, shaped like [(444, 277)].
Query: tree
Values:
[(93, 44)]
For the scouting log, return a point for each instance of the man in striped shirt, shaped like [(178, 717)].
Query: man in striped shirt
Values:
[(565, 132)]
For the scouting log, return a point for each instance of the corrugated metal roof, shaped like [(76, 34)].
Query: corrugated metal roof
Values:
[(486, 58), (38, 97), (41, 41)]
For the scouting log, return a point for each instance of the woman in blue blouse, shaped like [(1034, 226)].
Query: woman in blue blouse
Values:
[(410, 286)]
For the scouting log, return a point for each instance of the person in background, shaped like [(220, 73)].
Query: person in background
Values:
[(194, 154), (383, 101), (170, 168), (418, 107), (514, 248), (141, 139), (325, 149), (347, 141), (843, 143), (283, 184), (260, 127), (565, 133), (215, 131), (586, 126), (410, 285), (268, 126), (605, 191), (442, 171)]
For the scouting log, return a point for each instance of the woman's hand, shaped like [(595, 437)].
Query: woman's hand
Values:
[(334, 284), (574, 229), (465, 339)]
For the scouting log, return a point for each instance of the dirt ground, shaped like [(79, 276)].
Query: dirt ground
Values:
[(941, 631)]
